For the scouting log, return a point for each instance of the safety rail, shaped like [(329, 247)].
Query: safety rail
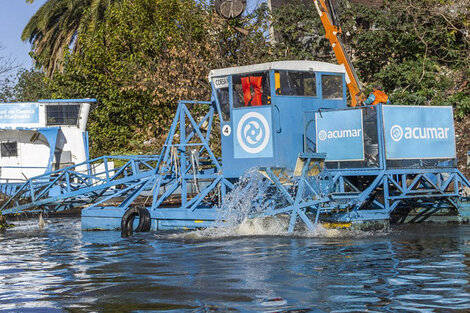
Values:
[(83, 182), (96, 181), (6, 180)]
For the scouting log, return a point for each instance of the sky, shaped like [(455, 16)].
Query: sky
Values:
[(14, 15)]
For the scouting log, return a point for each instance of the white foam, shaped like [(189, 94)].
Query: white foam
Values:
[(241, 214)]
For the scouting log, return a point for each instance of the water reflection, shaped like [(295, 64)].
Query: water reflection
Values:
[(415, 268)]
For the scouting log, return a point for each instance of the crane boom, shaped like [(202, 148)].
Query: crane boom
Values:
[(332, 31)]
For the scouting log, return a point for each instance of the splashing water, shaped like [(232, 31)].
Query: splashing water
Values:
[(243, 208), (251, 196), (241, 212)]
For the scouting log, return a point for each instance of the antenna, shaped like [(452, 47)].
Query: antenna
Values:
[(230, 8)]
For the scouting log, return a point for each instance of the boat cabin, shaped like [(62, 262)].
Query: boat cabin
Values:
[(263, 109), (37, 137)]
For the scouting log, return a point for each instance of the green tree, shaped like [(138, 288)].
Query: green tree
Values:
[(145, 56), (418, 50), (31, 85), (298, 33), (56, 25), (27, 85)]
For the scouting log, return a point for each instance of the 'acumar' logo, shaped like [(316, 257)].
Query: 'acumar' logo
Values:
[(253, 132), (338, 134), (397, 133)]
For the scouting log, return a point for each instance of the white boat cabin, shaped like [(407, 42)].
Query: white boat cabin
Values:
[(38, 137)]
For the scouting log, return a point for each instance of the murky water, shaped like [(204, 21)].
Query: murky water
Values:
[(414, 268)]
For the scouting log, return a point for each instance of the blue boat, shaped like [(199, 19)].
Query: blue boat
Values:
[(289, 122)]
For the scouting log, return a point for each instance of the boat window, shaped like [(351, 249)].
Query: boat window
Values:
[(62, 114), (332, 86), (292, 83), (221, 87), (9, 149), (223, 96), (251, 90)]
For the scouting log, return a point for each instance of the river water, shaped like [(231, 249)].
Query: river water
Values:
[(410, 268)]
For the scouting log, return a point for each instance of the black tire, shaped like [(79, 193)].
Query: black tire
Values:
[(129, 217)]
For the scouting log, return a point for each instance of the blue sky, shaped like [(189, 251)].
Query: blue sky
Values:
[(14, 14)]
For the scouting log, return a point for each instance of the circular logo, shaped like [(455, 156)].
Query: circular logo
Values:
[(322, 135), (226, 130), (396, 132), (253, 132)]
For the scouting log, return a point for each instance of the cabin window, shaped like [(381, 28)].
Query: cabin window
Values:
[(223, 97), (221, 87), (251, 90), (62, 114), (9, 149), (332, 86), (292, 83)]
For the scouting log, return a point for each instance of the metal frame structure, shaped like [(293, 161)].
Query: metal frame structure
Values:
[(80, 184), (187, 183), (430, 189), (184, 185), (371, 194), (335, 197)]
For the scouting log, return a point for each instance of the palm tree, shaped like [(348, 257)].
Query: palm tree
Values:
[(55, 26)]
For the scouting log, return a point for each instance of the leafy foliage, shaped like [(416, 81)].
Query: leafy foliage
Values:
[(27, 85), (419, 51), (145, 57), (140, 57), (55, 26), (299, 34)]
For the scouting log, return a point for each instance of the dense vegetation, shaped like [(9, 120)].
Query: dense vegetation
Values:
[(141, 56)]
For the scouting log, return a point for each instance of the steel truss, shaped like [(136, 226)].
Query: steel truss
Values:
[(81, 184), (187, 168), (365, 196), (188, 183), (184, 185)]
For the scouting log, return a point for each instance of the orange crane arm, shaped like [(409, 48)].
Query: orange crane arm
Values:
[(332, 31)]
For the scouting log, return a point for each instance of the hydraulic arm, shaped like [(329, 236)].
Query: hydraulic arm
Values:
[(332, 31)]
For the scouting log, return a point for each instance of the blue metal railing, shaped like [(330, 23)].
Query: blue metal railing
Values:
[(90, 179)]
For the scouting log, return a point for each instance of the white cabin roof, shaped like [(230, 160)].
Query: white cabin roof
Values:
[(33, 115), (312, 66)]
